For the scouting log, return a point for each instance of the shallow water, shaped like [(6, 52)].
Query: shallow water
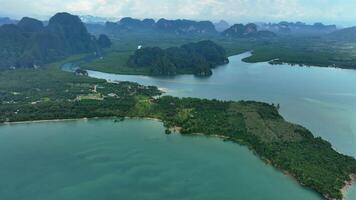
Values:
[(134, 159), (100, 159), (351, 192), (321, 99)]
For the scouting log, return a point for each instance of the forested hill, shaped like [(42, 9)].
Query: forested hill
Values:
[(31, 44), (298, 28), (245, 31), (193, 58), (161, 26)]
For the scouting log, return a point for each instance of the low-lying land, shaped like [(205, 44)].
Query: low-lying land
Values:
[(49, 93), (310, 51)]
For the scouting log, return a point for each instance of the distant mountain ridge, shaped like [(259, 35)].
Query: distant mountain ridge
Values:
[(297, 28), (31, 44), (343, 34), (178, 26), (90, 19), (7, 20), (221, 26), (246, 31)]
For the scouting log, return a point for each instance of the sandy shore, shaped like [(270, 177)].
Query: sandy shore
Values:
[(72, 119), (348, 184), (42, 121)]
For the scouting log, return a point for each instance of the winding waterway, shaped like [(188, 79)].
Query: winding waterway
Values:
[(134, 159)]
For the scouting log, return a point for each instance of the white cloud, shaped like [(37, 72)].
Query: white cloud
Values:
[(233, 10)]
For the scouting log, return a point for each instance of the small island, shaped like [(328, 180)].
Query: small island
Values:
[(192, 58)]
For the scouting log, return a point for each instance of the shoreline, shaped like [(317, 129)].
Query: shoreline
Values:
[(348, 184), (73, 119), (46, 120), (177, 129)]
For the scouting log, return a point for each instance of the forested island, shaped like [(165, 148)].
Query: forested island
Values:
[(192, 58), (49, 93)]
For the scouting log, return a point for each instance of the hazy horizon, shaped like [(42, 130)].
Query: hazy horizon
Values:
[(233, 11)]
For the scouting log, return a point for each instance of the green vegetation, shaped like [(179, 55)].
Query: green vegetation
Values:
[(296, 50), (310, 51), (28, 94), (248, 30), (49, 93), (289, 147), (194, 58), (115, 59), (30, 44)]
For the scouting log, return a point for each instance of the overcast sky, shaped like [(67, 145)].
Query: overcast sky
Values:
[(328, 11)]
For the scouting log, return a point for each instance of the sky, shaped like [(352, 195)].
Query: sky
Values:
[(340, 12)]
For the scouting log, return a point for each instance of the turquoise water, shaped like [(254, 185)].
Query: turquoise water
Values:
[(100, 159), (104, 160), (321, 99), (351, 192)]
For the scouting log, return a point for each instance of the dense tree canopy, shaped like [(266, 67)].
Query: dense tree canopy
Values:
[(49, 93), (198, 58), (245, 31), (31, 44), (104, 41)]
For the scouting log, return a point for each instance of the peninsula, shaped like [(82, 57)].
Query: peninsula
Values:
[(49, 93)]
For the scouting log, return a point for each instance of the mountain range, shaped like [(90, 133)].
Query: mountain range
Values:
[(221, 26), (7, 20), (297, 28), (248, 30), (178, 27), (30, 43)]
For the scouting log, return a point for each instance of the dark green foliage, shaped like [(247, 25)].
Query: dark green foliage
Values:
[(30, 25), (154, 58), (185, 26), (347, 34), (248, 30), (81, 72), (72, 33), (292, 148), (12, 43), (305, 51), (30, 44), (197, 58), (176, 27), (104, 41), (28, 94), (49, 93)]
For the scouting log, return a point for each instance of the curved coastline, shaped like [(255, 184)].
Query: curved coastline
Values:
[(96, 74), (223, 132), (176, 129)]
